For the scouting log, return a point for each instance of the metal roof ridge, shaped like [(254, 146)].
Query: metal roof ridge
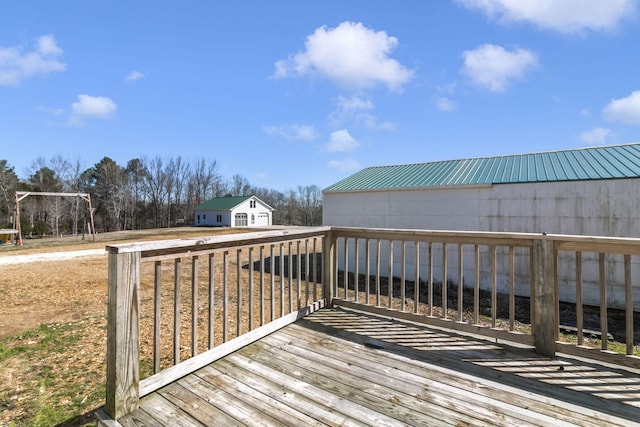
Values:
[(500, 156)]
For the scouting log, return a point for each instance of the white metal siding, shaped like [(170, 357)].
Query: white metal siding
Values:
[(600, 208)]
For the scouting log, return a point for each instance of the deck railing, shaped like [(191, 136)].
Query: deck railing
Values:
[(168, 320), (177, 305)]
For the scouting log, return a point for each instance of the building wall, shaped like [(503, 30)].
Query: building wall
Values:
[(262, 216), (209, 218), (602, 208)]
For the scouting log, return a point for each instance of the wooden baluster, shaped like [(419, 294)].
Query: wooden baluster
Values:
[(176, 311), (460, 282), (156, 315), (211, 314), (194, 306)]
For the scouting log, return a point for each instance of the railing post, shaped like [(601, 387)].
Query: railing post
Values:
[(328, 266), (546, 322), (123, 370)]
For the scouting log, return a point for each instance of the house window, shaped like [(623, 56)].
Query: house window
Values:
[(241, 220), (218, 218), (198, 218), (252, 203), (204, 216), (253, 219)]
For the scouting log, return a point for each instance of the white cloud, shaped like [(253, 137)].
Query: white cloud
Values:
[(585, 112), (134, 75), (494, 67), (351, 55), (445, 104), (52, 111), (91, 107), (448, 88), (595, 136), (354, 103), (624, 110), (567, 16), (355, 110), (341, 140), (17, 65), (370, 121), (292, 132), (346, 165)]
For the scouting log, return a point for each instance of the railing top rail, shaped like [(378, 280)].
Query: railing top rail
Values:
[(629, 245), (448, 236), (626, 245), (207, 243)]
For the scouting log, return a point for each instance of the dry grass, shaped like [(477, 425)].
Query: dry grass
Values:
[(53, 330)]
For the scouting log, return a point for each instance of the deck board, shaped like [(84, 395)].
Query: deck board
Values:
[(343, 367)]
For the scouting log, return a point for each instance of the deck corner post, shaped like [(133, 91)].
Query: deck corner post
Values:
[(123, 310), (328, 267), (546, 322)]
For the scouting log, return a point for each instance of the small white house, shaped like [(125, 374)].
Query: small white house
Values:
[(589, 191), (234, 211)]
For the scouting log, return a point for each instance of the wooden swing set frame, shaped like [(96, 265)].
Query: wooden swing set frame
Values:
[(21, 195)]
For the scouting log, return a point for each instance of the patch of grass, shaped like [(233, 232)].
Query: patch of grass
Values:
[(46, 338), (50, 386)]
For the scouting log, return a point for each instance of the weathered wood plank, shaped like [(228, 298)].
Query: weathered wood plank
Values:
[(545, 328), (548, 399), (354, 410), (371, 385), (207, 244), (196, 406), (474, 329), (219, 402), (283, 395), (342, 367), (159, 411), (252, 396), (123, 371)]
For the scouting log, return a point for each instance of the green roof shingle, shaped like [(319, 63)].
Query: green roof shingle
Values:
[(610, 162), (222, 203)]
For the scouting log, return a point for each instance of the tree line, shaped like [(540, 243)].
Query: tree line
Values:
[(145, 193)]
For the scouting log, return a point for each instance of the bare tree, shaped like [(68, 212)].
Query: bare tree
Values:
[(155, 187), (105, 181), (290, 208), (178, 175), (310, 204), (8, 186), (135, 173), (240, 186), (204, 182)]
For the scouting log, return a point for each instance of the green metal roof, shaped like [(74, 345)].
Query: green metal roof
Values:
[(610, 162), (222, 203)]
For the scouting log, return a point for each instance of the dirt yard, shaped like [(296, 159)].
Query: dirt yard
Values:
[(53, 295)]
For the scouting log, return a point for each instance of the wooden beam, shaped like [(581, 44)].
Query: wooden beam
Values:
[(20, 195), (544, 329), (24, 194), (123, 311), (328, 257)]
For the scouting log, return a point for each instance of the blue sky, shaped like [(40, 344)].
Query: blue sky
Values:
[(292, 93)]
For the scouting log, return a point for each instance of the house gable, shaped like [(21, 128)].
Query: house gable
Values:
[(233, 211)]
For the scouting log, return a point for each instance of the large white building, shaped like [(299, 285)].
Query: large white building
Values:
[(234, 211), (590, 191)]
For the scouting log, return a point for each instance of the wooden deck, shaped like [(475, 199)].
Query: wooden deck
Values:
[(342, 367)]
